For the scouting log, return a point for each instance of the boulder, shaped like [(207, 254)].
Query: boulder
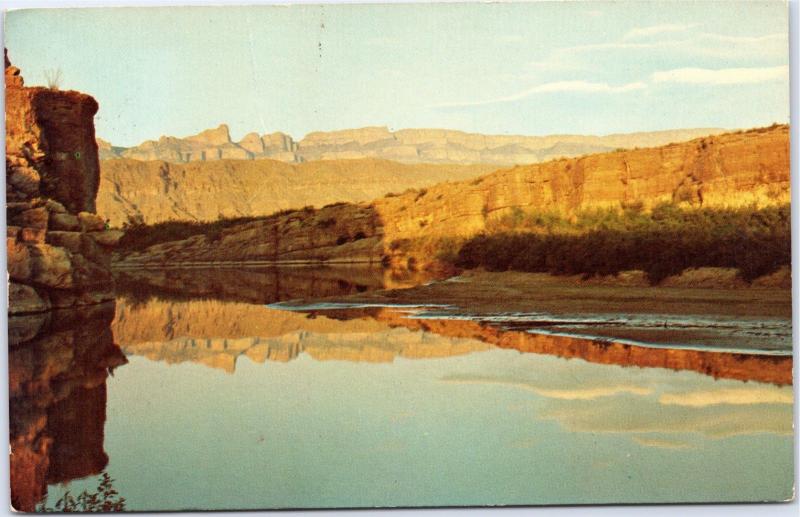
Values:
[(24, 299), (51, 266), (33, 235), (32, 218), (91, 222), (69, 240), (64, 222), (108, 238), (19, 260), (24, 179)]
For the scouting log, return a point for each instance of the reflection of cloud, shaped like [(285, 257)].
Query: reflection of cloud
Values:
[(642, 416), (554, 87), (653, 30), (590, 393), (722, 76), (734, 396), (663, 443)]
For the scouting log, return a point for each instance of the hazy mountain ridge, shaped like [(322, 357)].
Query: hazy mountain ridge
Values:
[(405, 145)]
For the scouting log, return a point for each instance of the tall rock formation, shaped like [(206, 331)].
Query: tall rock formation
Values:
[(57, 247)]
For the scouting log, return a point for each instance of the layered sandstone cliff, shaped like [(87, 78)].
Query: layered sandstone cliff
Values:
[(730, 170), (157, 191), (57, 247), (407, 145), (735, 169)]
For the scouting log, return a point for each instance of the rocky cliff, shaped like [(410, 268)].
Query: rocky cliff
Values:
[(730, 170), (733, 169), (57, 247), (407, 145), (158, 191)]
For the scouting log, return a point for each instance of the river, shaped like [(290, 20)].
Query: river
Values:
[(199, 390)]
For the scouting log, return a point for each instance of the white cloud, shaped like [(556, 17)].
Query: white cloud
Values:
[(554, 87), (722, 76), (653, 30)]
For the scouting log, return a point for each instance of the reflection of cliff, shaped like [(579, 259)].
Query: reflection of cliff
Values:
[(217, 333), (254, 285), (58, 365), (775, 369)]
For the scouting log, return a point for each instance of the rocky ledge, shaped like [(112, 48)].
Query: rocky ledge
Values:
[(58, 248)]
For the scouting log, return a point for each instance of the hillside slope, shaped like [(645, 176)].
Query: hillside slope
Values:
[(205, 191)]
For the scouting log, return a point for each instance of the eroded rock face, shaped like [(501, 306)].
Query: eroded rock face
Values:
[(52, 177), (159, 191), (731, 170)]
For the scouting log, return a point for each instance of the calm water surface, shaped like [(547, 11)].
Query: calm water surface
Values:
[(225, 403)]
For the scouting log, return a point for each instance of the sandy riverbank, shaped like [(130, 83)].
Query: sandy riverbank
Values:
[(481, 292)]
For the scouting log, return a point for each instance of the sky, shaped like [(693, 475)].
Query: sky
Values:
[(529, 68)]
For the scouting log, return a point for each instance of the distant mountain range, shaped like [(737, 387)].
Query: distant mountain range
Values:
[(406, 145)]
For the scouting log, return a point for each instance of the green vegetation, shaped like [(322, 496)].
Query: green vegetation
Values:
[(139, 236), (105, 499), (662, 243)]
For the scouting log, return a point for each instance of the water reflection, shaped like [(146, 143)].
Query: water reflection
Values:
[(58, 366), (371, 407), (229, 404), (257, 284)]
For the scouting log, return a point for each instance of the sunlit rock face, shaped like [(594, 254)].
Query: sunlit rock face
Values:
[(58, 365), (157, 191), (729, 170), (58, 249)]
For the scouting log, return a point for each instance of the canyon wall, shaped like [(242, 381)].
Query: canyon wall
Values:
[(157, 191), (406, 145), (57, 247), (730, 170)]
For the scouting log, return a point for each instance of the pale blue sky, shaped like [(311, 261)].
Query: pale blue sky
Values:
[(537, 68)]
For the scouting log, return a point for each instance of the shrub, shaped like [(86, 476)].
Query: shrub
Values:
[(663, 243)]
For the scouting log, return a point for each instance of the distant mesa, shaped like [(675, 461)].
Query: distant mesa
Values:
[(406, 145)]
